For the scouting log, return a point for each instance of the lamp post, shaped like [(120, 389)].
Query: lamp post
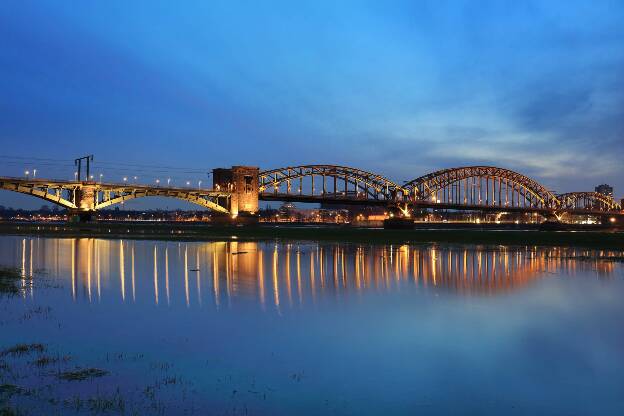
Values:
[(34, 173), (27, 174)]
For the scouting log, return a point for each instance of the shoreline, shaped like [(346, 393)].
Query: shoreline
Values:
[(205, 232)]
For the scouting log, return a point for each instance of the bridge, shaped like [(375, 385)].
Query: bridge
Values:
[(237, 190)]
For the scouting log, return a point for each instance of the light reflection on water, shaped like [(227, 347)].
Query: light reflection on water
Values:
[(283, 275), (327, 328)]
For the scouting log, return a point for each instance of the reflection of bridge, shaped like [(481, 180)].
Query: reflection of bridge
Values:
[(239, 189), (283, 275)]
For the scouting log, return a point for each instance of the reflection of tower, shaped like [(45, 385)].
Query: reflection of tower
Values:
[(244, 261), (82, 262), (242, 182)]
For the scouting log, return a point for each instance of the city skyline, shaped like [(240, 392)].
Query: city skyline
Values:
[(398, 89)]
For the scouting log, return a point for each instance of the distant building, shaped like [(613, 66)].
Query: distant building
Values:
[(605, 189)]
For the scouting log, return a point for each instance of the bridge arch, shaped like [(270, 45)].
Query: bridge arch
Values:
[(482, 185), (210, 200), (89, 197), (345, 182), (60, 194), (589, 201)]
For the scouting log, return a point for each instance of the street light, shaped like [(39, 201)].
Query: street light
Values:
[(188, 183), (135, 179), (168, 181), (199, 184), (75, 176), (101, 174), (125, 179), (26, 173), (157, 182), (34, 173)]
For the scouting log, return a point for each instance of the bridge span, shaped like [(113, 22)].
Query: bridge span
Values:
[(237, 190)]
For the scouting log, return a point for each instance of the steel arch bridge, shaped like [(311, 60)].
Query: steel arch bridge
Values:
[(80, 196), (477, 188), (482, 186), (318, 183)]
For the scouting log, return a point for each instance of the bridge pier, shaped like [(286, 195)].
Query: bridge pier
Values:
[(84, 199), (242, 183), (610, 220), (81, 216)]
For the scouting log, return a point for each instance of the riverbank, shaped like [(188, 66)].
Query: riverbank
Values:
[(206, 232)]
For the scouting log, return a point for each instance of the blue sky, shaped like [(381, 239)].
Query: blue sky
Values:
[(398, 88)]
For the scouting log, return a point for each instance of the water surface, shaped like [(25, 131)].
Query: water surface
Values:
[(318, 328)]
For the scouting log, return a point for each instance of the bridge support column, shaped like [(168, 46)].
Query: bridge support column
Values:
[(84, 199), (242, 182)]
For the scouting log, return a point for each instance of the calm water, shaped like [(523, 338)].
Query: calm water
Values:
[(314, 328)]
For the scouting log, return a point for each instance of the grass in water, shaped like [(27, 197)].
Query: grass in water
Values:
[(9, 389), (21, 349), (82, 374), (44, 360), (10, 281)]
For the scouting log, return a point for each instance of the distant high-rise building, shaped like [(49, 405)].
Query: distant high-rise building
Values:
[(604, 189)]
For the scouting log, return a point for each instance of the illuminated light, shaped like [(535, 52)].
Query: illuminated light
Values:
[(437, 201), (234, 215), (612, 219), (478, 221)]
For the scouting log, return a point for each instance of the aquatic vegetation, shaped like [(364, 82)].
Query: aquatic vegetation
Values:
[(45, 360), (81, 374), (7, 411), (21, 349), (11, 281), (10, 389)]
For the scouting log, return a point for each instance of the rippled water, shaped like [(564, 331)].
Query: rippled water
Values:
[(317, 328)]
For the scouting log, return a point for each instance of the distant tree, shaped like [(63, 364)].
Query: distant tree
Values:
[(44, 208)]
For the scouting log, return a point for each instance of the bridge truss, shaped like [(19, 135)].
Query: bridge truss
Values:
[(593, 201), (481, 186), (312, 183)]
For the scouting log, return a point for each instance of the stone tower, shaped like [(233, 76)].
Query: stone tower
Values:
[(242, 182)]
